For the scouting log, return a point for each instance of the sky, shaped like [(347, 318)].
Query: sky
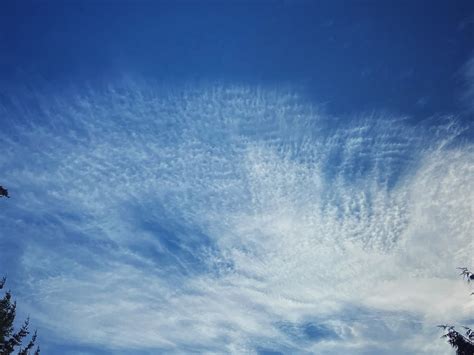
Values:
[(265, 177)]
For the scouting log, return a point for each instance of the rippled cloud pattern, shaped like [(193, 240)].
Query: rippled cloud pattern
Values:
[(233, 219)]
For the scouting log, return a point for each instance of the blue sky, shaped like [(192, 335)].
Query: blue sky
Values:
[(237, 177)]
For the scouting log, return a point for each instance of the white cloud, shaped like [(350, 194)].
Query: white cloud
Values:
[(202, 220)]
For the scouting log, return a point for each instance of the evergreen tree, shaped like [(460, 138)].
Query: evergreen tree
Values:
[(463, 343), (11, 340)]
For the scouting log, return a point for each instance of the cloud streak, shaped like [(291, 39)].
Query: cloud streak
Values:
[(235, 219)]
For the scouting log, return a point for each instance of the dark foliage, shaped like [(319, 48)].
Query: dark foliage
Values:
[(465, 273), (11, 340), (463, 343), (4, 192)]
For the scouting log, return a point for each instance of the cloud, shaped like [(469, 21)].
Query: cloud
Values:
[(234, 219)]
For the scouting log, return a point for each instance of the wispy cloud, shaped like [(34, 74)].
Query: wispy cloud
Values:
[(235, 219)]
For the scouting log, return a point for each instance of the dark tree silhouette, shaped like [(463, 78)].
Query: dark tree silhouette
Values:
[(3, 192), (463, 343), (465, 273), (11, 340)]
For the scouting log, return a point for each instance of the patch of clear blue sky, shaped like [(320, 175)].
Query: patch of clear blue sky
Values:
[(403, 56)]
